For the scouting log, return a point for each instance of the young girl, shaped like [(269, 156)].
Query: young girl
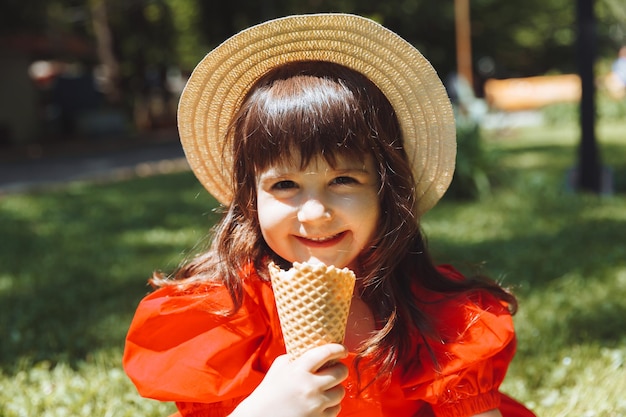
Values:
[(326, 137)]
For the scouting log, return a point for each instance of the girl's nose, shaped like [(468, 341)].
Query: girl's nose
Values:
[(313, 210)]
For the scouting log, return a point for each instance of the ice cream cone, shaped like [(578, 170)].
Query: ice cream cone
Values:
[(313, 302)]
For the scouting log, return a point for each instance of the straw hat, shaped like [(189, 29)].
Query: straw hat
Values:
[(219, 83)]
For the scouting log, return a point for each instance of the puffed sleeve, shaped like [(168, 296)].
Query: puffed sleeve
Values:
[(461, 372), (178, 347)]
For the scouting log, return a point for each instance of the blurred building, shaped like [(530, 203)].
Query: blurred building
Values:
[(48, 91)]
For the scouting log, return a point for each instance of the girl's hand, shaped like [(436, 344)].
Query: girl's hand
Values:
[(302, 388)]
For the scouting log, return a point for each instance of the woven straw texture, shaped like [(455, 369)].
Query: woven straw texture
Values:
[(221, 80), (313, 302)]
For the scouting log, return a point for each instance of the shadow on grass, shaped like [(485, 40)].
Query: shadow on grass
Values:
[(561, 249), (74, 263), (536, 263)]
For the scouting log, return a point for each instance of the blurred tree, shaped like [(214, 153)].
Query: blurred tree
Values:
[(527, 39), (508, 39), (16, 18), (138, 40), (612, 16), (189, 43), (143, 42), (110, 67)]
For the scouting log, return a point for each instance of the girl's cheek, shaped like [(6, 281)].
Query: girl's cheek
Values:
[(272, 213)]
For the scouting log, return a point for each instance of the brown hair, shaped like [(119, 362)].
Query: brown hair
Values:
[(321, 108)]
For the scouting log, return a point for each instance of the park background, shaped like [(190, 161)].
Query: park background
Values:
[(82, 77)]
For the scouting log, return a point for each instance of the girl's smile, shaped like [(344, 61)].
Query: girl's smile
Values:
[(321, 242), (320, 212)]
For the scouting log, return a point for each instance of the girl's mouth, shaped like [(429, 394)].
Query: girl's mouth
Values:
[(321, 242)]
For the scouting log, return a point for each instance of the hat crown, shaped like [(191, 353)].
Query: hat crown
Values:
[(220, 82)]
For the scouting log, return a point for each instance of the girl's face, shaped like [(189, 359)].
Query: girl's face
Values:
[(321, 212)]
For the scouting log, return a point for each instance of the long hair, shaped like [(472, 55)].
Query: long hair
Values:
[(313, 108)]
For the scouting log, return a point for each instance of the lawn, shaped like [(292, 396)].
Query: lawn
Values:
[(74, 264)]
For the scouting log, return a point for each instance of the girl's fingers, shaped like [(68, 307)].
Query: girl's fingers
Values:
[(332, 411), (314, 359), (335, 395), (332, 374)]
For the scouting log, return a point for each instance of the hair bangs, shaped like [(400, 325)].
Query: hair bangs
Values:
[(302, 117)]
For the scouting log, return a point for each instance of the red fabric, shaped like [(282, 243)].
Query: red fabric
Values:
[(178, 349)]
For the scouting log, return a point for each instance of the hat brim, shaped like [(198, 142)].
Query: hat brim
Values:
[(222, 79)]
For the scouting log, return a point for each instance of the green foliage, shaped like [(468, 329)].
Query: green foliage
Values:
[(189, 44), (525, 40), (608, 109), (561, 114), (475, 166)]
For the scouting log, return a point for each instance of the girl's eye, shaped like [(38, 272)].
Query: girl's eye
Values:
[(284, 185), (345, 181)]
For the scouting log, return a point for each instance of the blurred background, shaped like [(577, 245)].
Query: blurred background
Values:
[(93, 69)]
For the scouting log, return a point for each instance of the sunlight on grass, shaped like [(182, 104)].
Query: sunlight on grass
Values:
[(589, 316), (585, 380), (21, 207), (6, 282), (181, 237), (613, 212), (534, 136), (97, 387)]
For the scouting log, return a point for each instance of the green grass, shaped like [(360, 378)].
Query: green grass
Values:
[(564, 254), (74, 264)]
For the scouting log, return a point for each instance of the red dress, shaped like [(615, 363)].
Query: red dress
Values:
[(178, 349)]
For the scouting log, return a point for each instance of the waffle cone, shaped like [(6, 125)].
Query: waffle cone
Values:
[(313, 302)]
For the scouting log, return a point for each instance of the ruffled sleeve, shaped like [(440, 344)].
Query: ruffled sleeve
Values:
[(475, 346), (179, 348)]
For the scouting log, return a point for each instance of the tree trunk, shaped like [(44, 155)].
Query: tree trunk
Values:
[(104, 45)]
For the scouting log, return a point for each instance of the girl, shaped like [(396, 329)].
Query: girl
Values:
[(327, 137)]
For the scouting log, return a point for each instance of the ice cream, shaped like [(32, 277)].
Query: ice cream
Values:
[(313, 302)]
